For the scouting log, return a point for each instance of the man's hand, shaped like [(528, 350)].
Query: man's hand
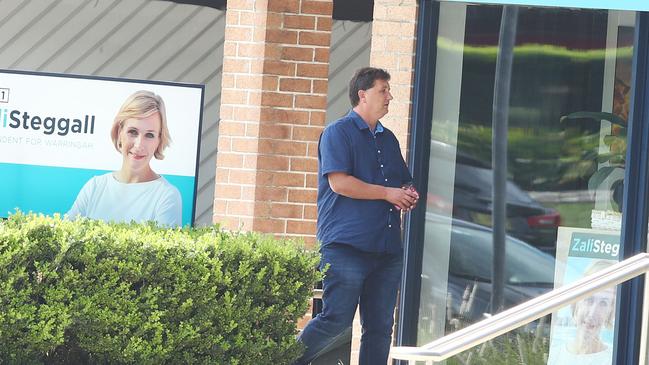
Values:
[(404, 198)]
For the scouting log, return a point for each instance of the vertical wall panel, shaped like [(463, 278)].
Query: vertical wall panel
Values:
[(350, 50)]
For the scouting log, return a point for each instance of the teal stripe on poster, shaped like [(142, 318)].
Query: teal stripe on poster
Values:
[(50, 190), (634, 5)]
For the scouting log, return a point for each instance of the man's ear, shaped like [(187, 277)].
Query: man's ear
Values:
[(361, 95)]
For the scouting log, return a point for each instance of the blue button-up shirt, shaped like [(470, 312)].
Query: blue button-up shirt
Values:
[(348, 145)]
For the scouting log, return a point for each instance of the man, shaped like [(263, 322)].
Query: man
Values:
[(361, 193)]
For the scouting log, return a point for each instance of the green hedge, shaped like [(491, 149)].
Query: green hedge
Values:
[(89, 292)]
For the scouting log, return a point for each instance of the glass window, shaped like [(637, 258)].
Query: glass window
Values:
[(584, 337), (566, 143)]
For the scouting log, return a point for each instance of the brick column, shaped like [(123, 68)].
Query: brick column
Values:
[(273, 103)]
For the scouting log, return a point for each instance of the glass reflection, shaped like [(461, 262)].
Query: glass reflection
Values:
[(539, 343), (566, 146)]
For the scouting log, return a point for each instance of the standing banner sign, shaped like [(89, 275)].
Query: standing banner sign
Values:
[(582, 333), (55, 135), (632, 5)]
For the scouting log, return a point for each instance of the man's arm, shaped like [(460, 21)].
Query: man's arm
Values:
[(352, 187)]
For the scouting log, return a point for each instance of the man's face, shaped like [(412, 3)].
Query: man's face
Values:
[(377, 98)]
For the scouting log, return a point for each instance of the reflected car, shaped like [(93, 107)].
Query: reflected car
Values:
[(527, 219), (529, 272)]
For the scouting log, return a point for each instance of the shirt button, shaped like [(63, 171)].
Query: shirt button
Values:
[(381, 165), (386, 179), (379, 151), (389, 226), (390, 209)]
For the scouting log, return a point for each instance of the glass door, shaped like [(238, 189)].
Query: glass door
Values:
[(566, 148)]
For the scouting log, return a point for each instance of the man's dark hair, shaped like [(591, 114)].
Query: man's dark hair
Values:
[(364, 79)]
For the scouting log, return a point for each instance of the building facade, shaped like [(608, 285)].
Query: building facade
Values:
[(557, 144), (525, 127)]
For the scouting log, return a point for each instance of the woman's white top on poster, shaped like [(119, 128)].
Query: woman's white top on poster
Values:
[(103, 197), (564, 357)]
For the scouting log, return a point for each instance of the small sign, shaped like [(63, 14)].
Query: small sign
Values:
[(583, 332), (594, 245)]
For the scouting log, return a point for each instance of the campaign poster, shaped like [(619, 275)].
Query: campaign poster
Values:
[(55, 135), (582, 333)]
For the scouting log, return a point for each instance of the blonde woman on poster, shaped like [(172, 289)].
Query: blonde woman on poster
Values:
[(590, 315), (134, 192)]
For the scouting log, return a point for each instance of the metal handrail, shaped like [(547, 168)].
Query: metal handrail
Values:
[(524, 313)]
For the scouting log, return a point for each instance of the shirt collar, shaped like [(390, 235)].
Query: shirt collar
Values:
[(360, 123)]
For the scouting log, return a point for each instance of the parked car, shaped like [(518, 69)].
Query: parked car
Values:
[(529, 272), (471, 201)]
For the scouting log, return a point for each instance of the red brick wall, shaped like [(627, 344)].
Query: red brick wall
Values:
[(273, 104)]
